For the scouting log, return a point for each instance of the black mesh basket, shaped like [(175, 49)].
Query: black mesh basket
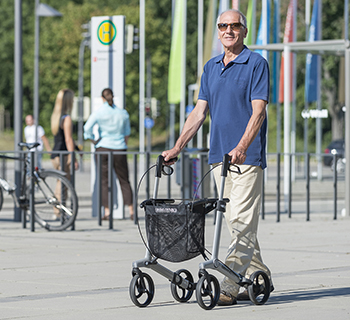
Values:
[(175, 232)]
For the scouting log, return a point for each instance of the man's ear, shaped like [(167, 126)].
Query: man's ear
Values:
[(246, 32)]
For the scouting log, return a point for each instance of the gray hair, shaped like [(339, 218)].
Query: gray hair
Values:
[(242, 18)]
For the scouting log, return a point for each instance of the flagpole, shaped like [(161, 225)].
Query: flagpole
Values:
[(319, 102), (286, 131), (276, 63), (200, 62), (306, 120), (172, 105), (294, 85), (346, 19), (142, 85), (183, 74)]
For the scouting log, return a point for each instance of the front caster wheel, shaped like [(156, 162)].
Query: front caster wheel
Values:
[(259, 290), (208, 291), (141, 290), (180, 294)]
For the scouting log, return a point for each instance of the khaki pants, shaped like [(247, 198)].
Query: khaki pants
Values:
[(242, 217)]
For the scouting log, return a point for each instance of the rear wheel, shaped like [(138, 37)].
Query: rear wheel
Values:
[(55, 201)]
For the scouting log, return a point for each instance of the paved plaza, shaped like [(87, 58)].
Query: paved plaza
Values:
[(85, 274)]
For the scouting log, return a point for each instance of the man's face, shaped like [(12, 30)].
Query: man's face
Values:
[(29, 120), (228, 37)]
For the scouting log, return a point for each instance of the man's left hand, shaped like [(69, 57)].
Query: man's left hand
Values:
[(237, 156)]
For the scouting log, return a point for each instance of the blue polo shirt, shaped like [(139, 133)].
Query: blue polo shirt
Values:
[(229, 92)]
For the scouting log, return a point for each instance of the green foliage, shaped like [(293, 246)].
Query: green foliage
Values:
[(60, 39)]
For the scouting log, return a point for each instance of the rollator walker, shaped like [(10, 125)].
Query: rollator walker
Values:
[(175, 233)]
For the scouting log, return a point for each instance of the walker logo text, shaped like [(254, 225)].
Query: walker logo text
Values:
[(165, 210), (106, 32)]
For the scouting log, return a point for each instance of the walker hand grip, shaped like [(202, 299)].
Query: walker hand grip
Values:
[(160, 163), (225, 165), (159, 167)]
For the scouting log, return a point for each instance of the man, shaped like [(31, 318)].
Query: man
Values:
[(29, 133), (235, 90)]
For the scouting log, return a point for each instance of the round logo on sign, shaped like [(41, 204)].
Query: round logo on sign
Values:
[(106, 32)]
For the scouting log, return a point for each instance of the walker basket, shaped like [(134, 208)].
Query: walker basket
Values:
[(175, 232)]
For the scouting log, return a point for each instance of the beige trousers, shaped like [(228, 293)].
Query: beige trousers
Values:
[(242, 218)]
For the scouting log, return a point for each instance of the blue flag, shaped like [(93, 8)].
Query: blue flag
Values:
[(311, 77), (261, 36)]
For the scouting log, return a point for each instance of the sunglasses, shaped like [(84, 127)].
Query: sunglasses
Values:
[(234, 26)]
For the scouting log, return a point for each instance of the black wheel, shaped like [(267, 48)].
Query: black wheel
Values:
[(208, 291), (141, 290), (1, 198), (259, 290), (181, 294), (55, 201)]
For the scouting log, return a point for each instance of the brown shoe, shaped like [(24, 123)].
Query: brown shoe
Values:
[(226, 299), (244, 296)]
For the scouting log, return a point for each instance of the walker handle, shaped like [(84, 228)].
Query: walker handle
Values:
[(160, 163), (225, 165)]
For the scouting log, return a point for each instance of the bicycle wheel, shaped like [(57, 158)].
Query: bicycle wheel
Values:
[(56, 202)]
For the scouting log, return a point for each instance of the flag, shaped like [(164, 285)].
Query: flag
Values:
[(275, 55), (249, 39), (176, 63), (311, 76), (263, 34), (289, 36), (217, 47), (210, 29), (235, 4)]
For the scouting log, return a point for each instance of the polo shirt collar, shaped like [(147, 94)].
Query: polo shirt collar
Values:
[(242, 57)]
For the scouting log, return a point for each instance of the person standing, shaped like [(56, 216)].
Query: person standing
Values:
[(62, 129), (114, 130), (30, 137), (235, 91)]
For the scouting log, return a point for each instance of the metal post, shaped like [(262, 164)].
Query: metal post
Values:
[(335, 177), (347, 130), (36, 69), (147, 177), (278, 186), (135, 189), (81, 99), (18, 99), (290, 186), (72, 176), (142, 85), (99, 188), (183, 70), (308, 187), (32, 193), (110, 188), (287, 63)]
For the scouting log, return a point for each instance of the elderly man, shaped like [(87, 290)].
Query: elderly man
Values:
[(235, 91)]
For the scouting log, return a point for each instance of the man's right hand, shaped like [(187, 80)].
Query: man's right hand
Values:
[(170, 155)]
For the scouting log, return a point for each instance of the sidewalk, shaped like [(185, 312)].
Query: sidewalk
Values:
[(85, 274)]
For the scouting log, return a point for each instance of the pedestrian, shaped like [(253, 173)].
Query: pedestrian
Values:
[(113, 134), (62, 129), (235, 91), (33, 133)]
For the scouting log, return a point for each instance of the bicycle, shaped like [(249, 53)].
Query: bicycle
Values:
[(55, 199)]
